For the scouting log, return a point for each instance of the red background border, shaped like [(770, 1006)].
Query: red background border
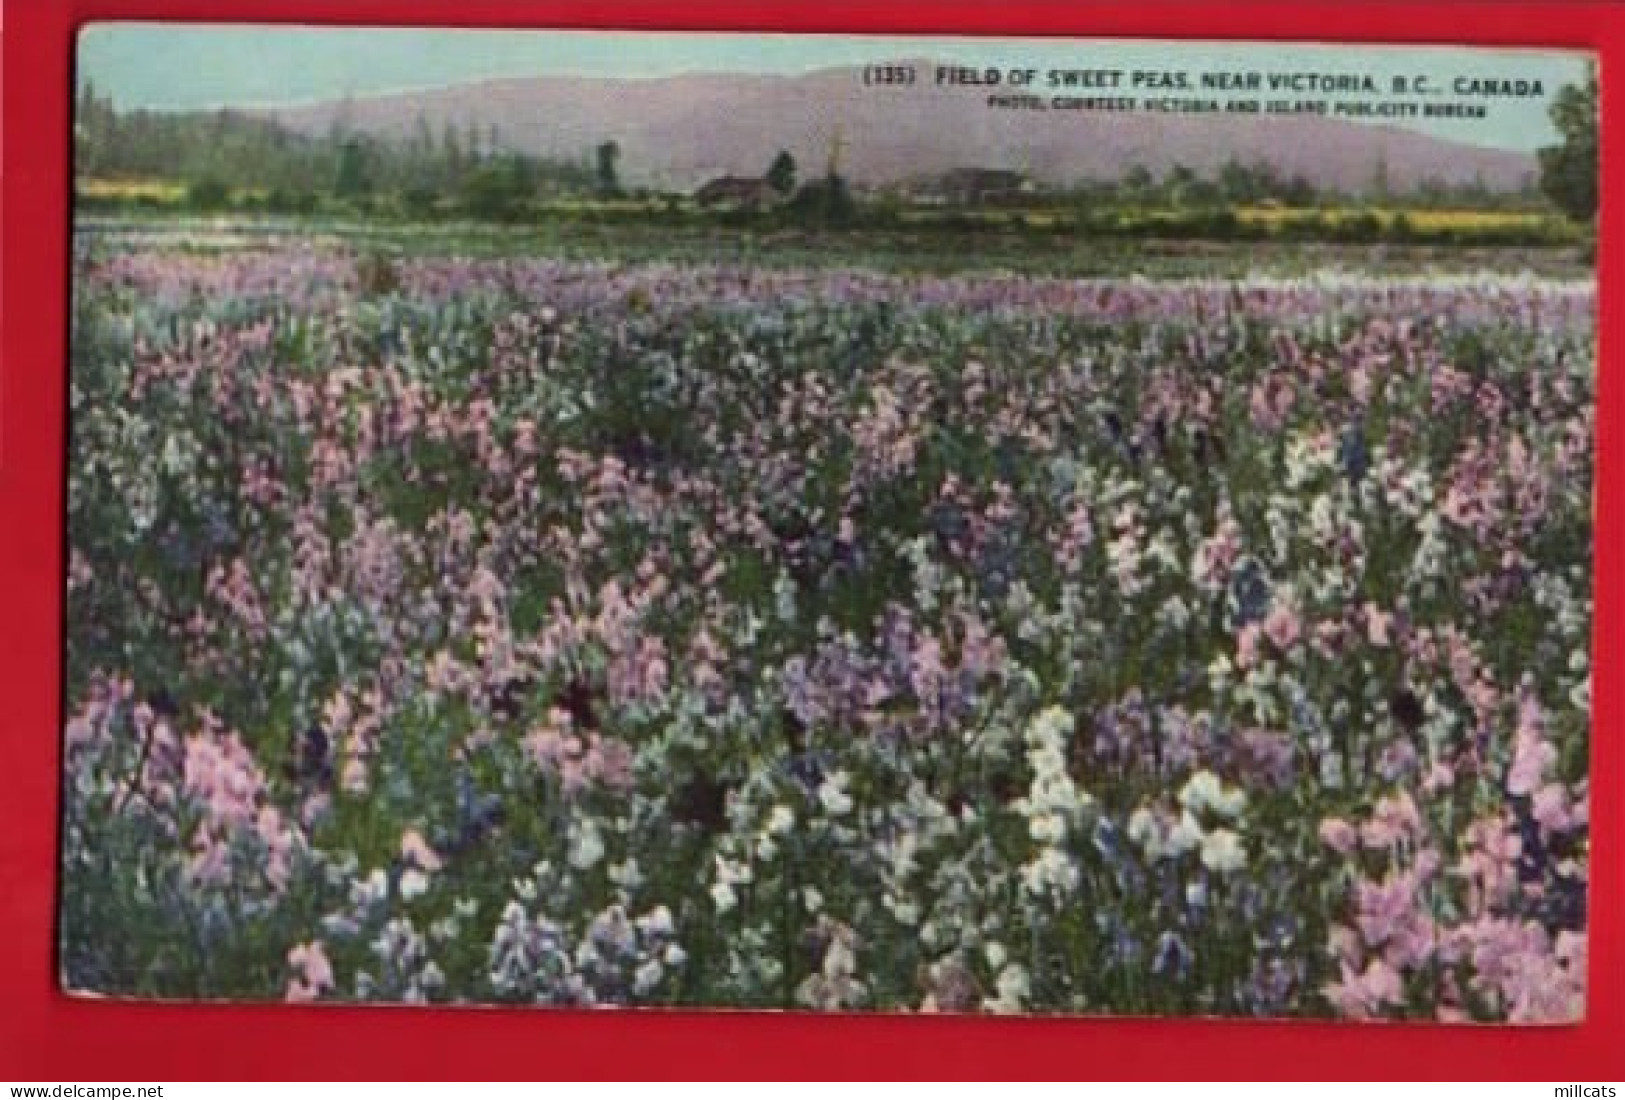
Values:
[(46, 1036)]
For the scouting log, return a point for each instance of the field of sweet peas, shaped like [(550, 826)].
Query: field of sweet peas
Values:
[(568, 633)]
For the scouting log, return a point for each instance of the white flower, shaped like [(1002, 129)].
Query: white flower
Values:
[(906, 912), (812, 899), (1204, 791), (780, 821), (839, 959), (338, 926), (1047, 828), (626, 875), (1052, 791), (372, 889), (1222, 852), (174, 457), (723, 896), (1198, 789), (1051, 726), (656, 922), (784, 598), (588, 848), (1230, 803), (1175, 612), (833, 795), (729, 874), (1052, 872), (995, 953), (1142, 828), (1184, 836), (1013, 989), (414, 883), (647, 976)]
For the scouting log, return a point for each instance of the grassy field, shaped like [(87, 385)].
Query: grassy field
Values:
[(1423, 220), (898, 248), (1042, 216), (165, 192)]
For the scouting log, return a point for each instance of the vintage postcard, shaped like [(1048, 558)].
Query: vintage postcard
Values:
[(830, 523)]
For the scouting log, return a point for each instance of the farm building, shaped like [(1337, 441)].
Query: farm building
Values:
[(979, 185), (742, 192)]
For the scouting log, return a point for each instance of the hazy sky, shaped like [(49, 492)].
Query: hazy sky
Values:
[(191, 66)]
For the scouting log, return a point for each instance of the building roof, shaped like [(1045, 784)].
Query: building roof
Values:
[(725, 188)]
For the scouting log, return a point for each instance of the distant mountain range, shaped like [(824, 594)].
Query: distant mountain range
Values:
[(680, 131)]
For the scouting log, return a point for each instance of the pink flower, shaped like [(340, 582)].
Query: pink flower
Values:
[(210, 861), (314, 808), (416, 851), (1532, 754), (606, 761), (1217, 554), (1384, 908), (1271, 402), (80, 733), (1440, 777), (1520, 968), (1489, 863), (1076, 536), (1282, 627), (1338, 835), (313, 974), (1247, 646), (279, 841), (353, 776), (1550, 808), (1393, 820), (1378, 623), (1346, 944), (1363, 995)]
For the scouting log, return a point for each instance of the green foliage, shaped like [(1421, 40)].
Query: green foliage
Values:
[(208, 194), (826, 201), (355, 169), (498, 190), (608, 154), (1361, 228), (294, 173), (781, 174), (1568, 170), (420, 202), (292, 201)]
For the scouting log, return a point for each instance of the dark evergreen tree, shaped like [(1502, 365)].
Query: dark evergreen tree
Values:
[(1568, 170)]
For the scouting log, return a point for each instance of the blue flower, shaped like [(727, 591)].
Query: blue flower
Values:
[(1353, 456), (1250, 592), (1173, 958)]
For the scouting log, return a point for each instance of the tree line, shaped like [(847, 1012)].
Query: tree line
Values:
[(231, 158), (221, 157)]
